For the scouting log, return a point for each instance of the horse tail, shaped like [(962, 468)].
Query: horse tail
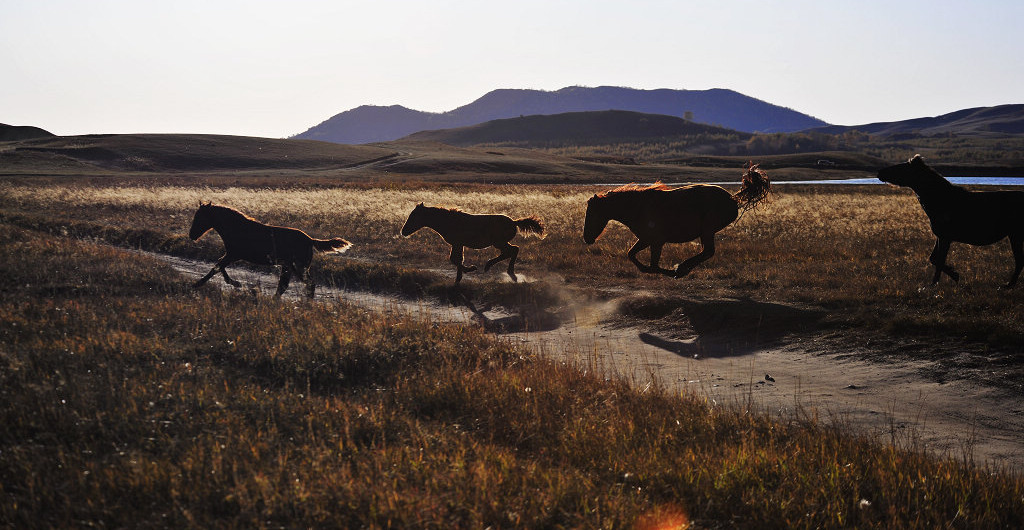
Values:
[(756, 188), (530, 225), (337, 245)]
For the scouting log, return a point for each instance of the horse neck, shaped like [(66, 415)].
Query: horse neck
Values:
[(225, 220), (440, 220), (625, 207), (936, 188)]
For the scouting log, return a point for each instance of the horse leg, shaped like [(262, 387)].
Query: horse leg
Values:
[(224, 273), (286, 276), (223, 262), (631, 254), (1017, 246), (656, 260), (512, 263), (938, 258), (456, 258), (509, 252), (707, 243)]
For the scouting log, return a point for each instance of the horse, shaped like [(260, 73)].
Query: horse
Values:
[(460, 229), (960, 215), (250, 240), (658, 215)]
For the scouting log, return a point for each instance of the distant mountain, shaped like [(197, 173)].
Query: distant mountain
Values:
[(721, 107), (579, 128), (14, 133), (981, 121)]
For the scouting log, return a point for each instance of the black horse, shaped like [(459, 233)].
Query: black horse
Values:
[(958, 214), (252, 241)]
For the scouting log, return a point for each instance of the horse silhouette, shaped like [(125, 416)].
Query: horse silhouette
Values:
[(250, 240), (658, 215), (960, 215), (460, 229)]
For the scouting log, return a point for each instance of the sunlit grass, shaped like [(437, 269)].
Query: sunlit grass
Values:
[(860, 252), (130, 400)]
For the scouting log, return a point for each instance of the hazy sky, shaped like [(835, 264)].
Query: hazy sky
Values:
[(275, 69)]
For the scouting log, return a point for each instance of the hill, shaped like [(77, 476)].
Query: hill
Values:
[(574, 128), (721, 107), (14, 133), (248, 159), (182, 152), (1001, 120)]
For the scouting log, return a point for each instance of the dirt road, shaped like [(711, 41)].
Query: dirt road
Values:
[(893, 400)]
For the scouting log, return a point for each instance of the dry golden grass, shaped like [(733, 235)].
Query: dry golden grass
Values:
[(858, 253), (130, 400)]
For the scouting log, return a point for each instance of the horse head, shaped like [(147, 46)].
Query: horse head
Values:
[(202, 222), (913, 174), (415, 221), (597, 218)]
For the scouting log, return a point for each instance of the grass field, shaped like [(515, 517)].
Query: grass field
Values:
[(131, 397), (858, 252)]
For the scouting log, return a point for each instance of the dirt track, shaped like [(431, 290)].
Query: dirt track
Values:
[(893, 400)]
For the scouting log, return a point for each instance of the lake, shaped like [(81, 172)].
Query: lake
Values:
[(978, 181)]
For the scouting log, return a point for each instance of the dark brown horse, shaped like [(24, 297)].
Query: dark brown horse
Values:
[(958, 214), (658, 215), (250, 240), (460, 229)]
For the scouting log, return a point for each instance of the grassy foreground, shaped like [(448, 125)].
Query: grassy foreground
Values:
[(130, 400)]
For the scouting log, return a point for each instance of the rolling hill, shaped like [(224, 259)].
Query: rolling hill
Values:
[(14, 133), (181, 152), (721, 107), (1001, 120), (574, 128)]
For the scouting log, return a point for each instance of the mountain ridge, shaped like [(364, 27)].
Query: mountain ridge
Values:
[(587, 127), (717, 106), (995, 120)]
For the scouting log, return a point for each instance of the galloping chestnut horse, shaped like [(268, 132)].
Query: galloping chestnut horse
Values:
[(252, 241), (658, 215), (958, 214), (460, 229)]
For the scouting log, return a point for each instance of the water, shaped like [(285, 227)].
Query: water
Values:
[(979, 181)]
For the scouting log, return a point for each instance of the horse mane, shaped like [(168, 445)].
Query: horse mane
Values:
[(231, 211), (226, 210), (443, 209), (634, 188), (938, 179)]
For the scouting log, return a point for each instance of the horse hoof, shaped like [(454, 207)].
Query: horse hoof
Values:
[(470, 268)]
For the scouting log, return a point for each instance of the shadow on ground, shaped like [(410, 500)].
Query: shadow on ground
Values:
[(715, 328)]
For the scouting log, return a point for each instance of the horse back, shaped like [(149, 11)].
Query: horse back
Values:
[(269, 244), (712, 207), (682, 214), (481, 230), (977, 217)]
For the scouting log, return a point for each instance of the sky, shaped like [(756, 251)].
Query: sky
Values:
[(275, 69)]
